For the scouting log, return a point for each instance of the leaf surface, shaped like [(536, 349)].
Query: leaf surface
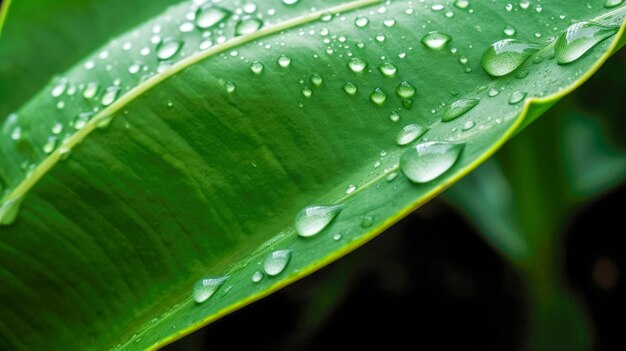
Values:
[(174, 152)]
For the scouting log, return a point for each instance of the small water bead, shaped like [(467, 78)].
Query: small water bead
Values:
[(168, 48), (427, 161), (248, 26), (59, 88), (257, 67), (89, 65), (350, 88), (207, 287), (505, 56), (407, 103), (389, 22), (493, 92), (517, 97), (524, 4), (257, 277), (90, 90), (307, 92), (336, 236), (290, 2), (57, 128), (409, 134), (391, 176), (50, 145), (249, 7), (357, 65), (317, 79), (468, 125), (406, 90), (210, 16), (16, 133), (110, 95), (361, 21), (81, 120), (276, 262), (184, 28), (462, 4), (284, 61), (367, 221), (135, 67), (378, 96), (510, 31), (580, 38), (351, 188), (435, 40), (230, 87), (380, 38), (459, 108), (205, 44), (313, 219), (388, 69), (61, 105), (394, 116), (437, 7), (612, 3)]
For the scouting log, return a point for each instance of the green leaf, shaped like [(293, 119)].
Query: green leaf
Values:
[(191, 159)]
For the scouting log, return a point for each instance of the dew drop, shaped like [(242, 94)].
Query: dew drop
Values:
[(168, 48), (313, 219), (427, 161), (468, 125), (284, 61), (59, 88), (110, 95), (90, 90), (394, 116), (378, 96), (207, 287), (357, 65), (351, 188), (50, 145), (505, 56), (230, 87), (406, 90), (257, 67), (336, 236), (290, 2), (509, 30), (517, 97), (361, 21), (392, 176), (388, 69), (210, 16), (493, 92), (248, 26), (458, 108), (317, 79), (462, 4), (580, 38), (307, 92), (409, 134), (276, 261), (435, 40), (350, 88), (257, 277), (367, 221)]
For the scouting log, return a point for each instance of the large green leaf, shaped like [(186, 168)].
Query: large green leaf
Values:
[(200, 165)]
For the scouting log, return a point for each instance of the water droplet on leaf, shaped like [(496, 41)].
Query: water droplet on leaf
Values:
[(276, 261), (580, 38), (313, 219), (207, 287), (410, 133), (426, 162), (435, 40), (505, 56), (458, 108)]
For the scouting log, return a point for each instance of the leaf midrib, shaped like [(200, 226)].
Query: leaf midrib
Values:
[(28, 182)]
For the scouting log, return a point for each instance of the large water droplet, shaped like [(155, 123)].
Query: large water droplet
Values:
[(435, 40), (580, 38), (378, 96), (410, 133), (248, 26), (168, 48), (357, 65), (458, 108), (313, 219), (9, 210), (207, 287), (505, 56), (517, 97), (427, 161), (612, 3), (276, 262), (209, 16)]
